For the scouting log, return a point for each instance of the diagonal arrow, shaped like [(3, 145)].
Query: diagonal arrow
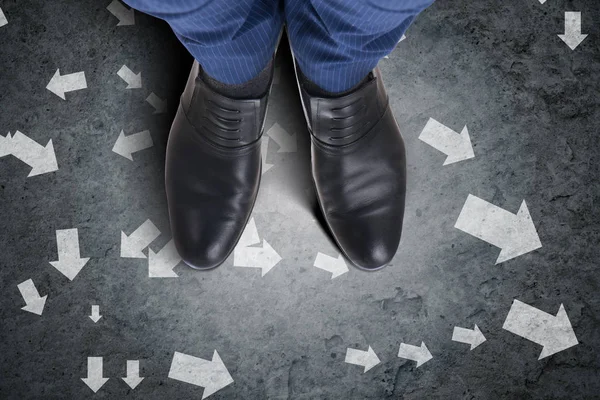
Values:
[(161, 264), (94, 379), (34, 303), (286, 142), (555, 333), (160, 106), (457, 146), (473, 337), (133, 374), (69, 263), (572, 36), (134, 81), (337, 266), (126, 145), (3, 20), (40, 158), (95, 316), (367, 359), (264, 147), (125, 15), (60, 84), (419, 354), (132, 245), (212, 375), (514, 234)]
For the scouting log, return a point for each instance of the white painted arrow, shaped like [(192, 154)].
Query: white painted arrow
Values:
[(286, 142), (457, 146), (572, 36), (212, 375), (132, 245), (35, 303), (264, 257), (542, 1), (419, 354), (160, 106), (161, 264), (264, 147), (337, 266), (3, 20), (555, 333), (367, 359), (473, 337), (134, 81), (133, 374), (95, 313), (60, 84), (69, 262), (514, 234), (401, 39), (94, 379), (40, 158), (125, 15), (126, 145)]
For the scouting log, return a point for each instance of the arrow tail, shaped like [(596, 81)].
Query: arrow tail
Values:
[(145, 234), (72, 82), (573, 22), (356, 357), (28, 290), (133, 368), (409, 352), (463, 335), (67, 241)]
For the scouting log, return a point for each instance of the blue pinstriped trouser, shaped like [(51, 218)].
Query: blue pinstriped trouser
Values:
[(336, 42)]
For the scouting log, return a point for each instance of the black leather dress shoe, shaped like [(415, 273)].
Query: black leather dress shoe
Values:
[(359, 170), (213, 169)]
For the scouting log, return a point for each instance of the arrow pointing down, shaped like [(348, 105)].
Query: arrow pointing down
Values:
[(34, 303), (573, 36), (94, 379), (59, 85), (69, 262)]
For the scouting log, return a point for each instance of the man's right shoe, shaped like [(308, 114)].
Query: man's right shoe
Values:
[(213, 169)]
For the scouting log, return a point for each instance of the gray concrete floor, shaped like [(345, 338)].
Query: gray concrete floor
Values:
[(532, 107)]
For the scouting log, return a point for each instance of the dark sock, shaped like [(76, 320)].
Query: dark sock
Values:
[(314, 90), (254, 88)]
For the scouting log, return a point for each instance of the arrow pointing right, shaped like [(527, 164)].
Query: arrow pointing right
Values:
[(554, 333), (59, 85), (367, 359), (337, 266), (132, 245), (457, 146), (35, 303), (572, 36), (94, 379), (69, 262), (419, 354), (473, 337), (514, 234), (127, 145), (125, 15), (133, 374), (212, 375)]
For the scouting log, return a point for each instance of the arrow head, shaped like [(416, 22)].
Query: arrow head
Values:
[(130, 248), (95, 318), (424, 356), (36, 306), (121, 147), (136, 81), (160, 266), (572, 39), (560, 336), (371, 360), (341, 267), (219, 376), (133, 381), (479, 338), (70, 268), (127, 18), (46, 161), (271, 257), (463, 149), (94, 383), (55, 85), (524, 238)]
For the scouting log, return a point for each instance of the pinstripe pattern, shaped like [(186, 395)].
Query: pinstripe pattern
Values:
[(336, 42)]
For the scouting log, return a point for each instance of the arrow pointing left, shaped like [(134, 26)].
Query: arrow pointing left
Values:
[(94, 379), (60, 84), (212, 375), (264, 257), (69, 261), (126, 16), (127, 145), (35, 303), (40, 158)]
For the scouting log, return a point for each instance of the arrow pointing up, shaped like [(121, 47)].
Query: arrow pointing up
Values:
[(572, 36), (126, 145), (212, 375), (161, 264), (286, 142), (40, 158), (125, 15), (554, 333), (514, 234), (95, 313), (134, 81), (457, 146), (367, 359), (160, 106), (59, 85), (132, 245), (94, 379), (419, 354), (69, 263), (35, 303), (133, 374), (473, 337), (337, 266)]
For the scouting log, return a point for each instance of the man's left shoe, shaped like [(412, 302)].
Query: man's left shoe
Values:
[(359, 170)]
